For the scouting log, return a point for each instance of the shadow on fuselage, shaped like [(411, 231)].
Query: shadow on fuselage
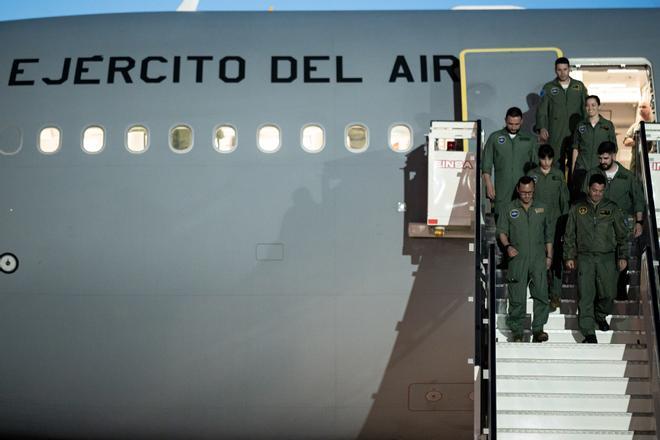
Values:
[(435, 335)]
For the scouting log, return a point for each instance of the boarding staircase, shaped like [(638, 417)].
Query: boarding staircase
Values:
[(563, 389)]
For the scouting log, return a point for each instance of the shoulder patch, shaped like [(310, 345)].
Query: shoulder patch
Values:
[(514, 213), (501, 139), (535, 178), (539, 210), (582, 128), (554, 91), (582, 210)]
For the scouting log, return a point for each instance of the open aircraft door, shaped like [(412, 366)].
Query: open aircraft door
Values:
[(485, 73)]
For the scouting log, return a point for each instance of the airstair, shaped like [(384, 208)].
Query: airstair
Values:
[(563, 389)]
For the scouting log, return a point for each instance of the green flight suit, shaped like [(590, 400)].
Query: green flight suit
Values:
[(559, 112), (595, 237), (511, 158), (587, 139), (624, 189), (551, 190), (528, 232)]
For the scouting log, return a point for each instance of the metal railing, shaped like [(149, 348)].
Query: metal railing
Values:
[(485, 319), (650, 262)]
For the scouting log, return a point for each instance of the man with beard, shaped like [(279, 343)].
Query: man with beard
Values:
[(560, 110), (511, 152), (624, 189), (525, 230), (595, 239)]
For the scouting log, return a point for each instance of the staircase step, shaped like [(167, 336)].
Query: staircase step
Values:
[(572, 384), (617, 352), (616, 337), (573, 402), (570, 307), (570, 434), (621, 421), (572, 367), (558, 321)]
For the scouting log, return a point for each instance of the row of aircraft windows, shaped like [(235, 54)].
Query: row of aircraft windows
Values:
[(225, 138)]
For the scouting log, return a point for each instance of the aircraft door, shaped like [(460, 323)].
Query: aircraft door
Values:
[(498, 78)]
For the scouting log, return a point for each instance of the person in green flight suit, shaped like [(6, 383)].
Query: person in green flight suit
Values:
[(588, 136), (624, 189), (560, 110), (524, 229), (511, 152), (551, 189), (596, 237)]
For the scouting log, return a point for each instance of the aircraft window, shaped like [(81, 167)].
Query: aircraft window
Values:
[(49, 140), (313, 138), (400, 138), (11, 140), (181, 138), (269, 138), (225, 139), (93, 139), (137, 139), (357, 138)]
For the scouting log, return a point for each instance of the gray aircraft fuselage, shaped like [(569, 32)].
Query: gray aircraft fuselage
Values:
[(249, 295)]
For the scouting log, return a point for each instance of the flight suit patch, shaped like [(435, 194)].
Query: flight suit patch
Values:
[(554, 90), (556, 178), (582, 210), (535, 178), (539, 210), (606, 128), (514, 213), (605, 212), (500, 140), (582, 129), (576, 86)]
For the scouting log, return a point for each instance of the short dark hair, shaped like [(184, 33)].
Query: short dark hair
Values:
[(525, 180), (514, 112), (607, 147), (593, 97), (546, 150), (597, 178), (562, 60)]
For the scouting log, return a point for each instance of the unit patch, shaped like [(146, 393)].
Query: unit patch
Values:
[(554, 90), (582, 129), (605, 212), (514, 213), (535, 178), (539, 210), (576, 86), (500, 140), (606, 128), (582, 210)]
